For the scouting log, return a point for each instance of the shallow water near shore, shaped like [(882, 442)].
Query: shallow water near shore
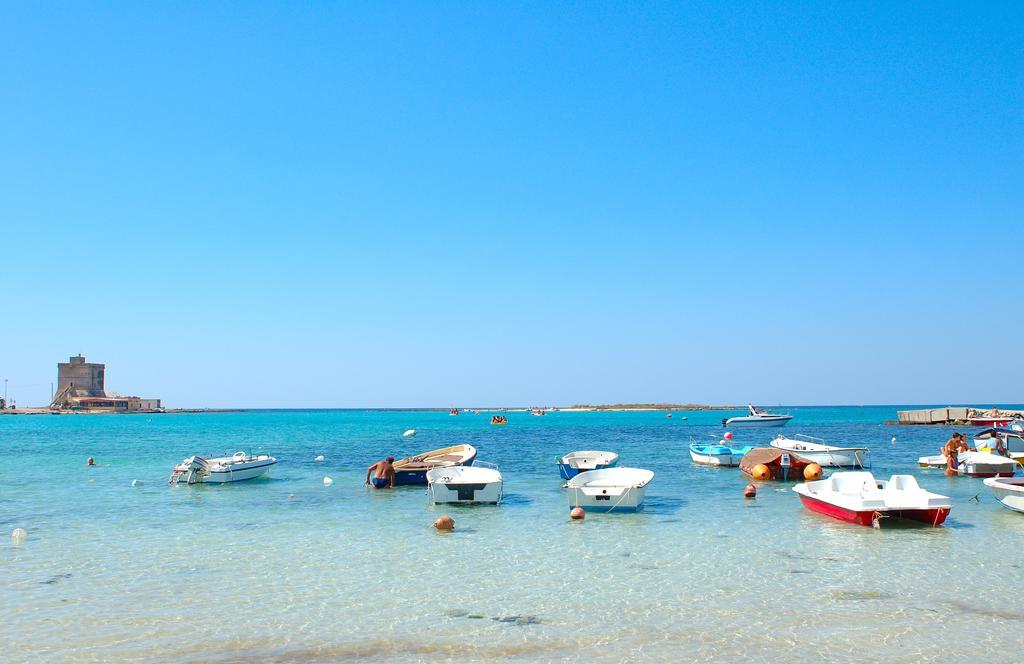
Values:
[(285, 569)]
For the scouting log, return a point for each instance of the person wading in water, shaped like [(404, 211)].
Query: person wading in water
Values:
[(383, 474)]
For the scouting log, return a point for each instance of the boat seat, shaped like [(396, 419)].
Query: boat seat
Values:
[(852, 483), (903, 483)]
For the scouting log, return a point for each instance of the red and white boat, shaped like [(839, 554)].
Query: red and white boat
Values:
[(974, 464), (857, 497), (989, 421)]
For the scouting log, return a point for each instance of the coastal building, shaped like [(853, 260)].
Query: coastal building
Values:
[(81, 386), (78, 378)]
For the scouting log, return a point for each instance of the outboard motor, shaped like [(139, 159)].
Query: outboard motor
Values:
[(724, 420), (192, 469)]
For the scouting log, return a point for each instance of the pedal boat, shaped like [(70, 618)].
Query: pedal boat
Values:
[(826, 456), (235, 468), (476, 484), (413, 470), (857, 497), (610, 489), (574, 463)]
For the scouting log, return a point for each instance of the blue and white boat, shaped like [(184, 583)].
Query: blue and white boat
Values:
[(718, 454), (413, 470), (574, 463)]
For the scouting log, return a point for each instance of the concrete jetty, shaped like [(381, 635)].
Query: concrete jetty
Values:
[(953, 415)]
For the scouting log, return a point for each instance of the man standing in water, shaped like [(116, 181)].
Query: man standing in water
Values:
[(383, 474)]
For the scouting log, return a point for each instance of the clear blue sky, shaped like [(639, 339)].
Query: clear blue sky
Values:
[(388, 204)]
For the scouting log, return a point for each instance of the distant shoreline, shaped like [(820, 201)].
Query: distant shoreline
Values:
[(580, 408)]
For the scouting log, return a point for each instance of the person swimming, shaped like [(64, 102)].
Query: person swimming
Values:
[(383, 474)]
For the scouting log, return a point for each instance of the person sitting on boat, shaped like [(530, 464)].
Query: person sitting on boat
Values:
[(1000, 448), (383, 474), (962, 445)]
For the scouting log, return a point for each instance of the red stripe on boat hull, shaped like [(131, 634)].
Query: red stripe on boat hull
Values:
[(932, 517)]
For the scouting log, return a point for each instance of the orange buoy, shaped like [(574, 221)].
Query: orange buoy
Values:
[(750, 491), (728, 435), (577, 513), (445, 522), (812, 472), (761, 472)]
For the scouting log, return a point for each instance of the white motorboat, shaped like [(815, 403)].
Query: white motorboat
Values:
[(574, 463), (610, 489), (974, 464), (1011, 439), (240, 466), (479, 483), (857, 497), (757, 418), (826, 456), (1009, 491)]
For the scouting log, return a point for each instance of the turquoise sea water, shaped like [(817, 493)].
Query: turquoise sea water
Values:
[(286, 569)]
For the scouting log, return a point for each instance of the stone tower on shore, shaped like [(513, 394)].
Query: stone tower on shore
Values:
[(78, 378)]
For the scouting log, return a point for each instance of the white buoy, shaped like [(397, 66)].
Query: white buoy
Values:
[(137, 482), (409, 432), (328, 481), (894, 440), (319, 457), (18, 535)]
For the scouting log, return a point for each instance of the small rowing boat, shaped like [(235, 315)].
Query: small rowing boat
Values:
[(413, 470), (826, 456), (857, 497), (574, 463), (720, 454), (608, 490), (479, 483)]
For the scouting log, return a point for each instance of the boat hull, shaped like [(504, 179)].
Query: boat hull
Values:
[(1010, 494), (831, 459), (609, 490), (568, 472), (630, 500), (761, 423), (990, 421), (458, 455), (251, 472), (574, 463), (931, 516), (727, 460), (410, 477), (469, 493)]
